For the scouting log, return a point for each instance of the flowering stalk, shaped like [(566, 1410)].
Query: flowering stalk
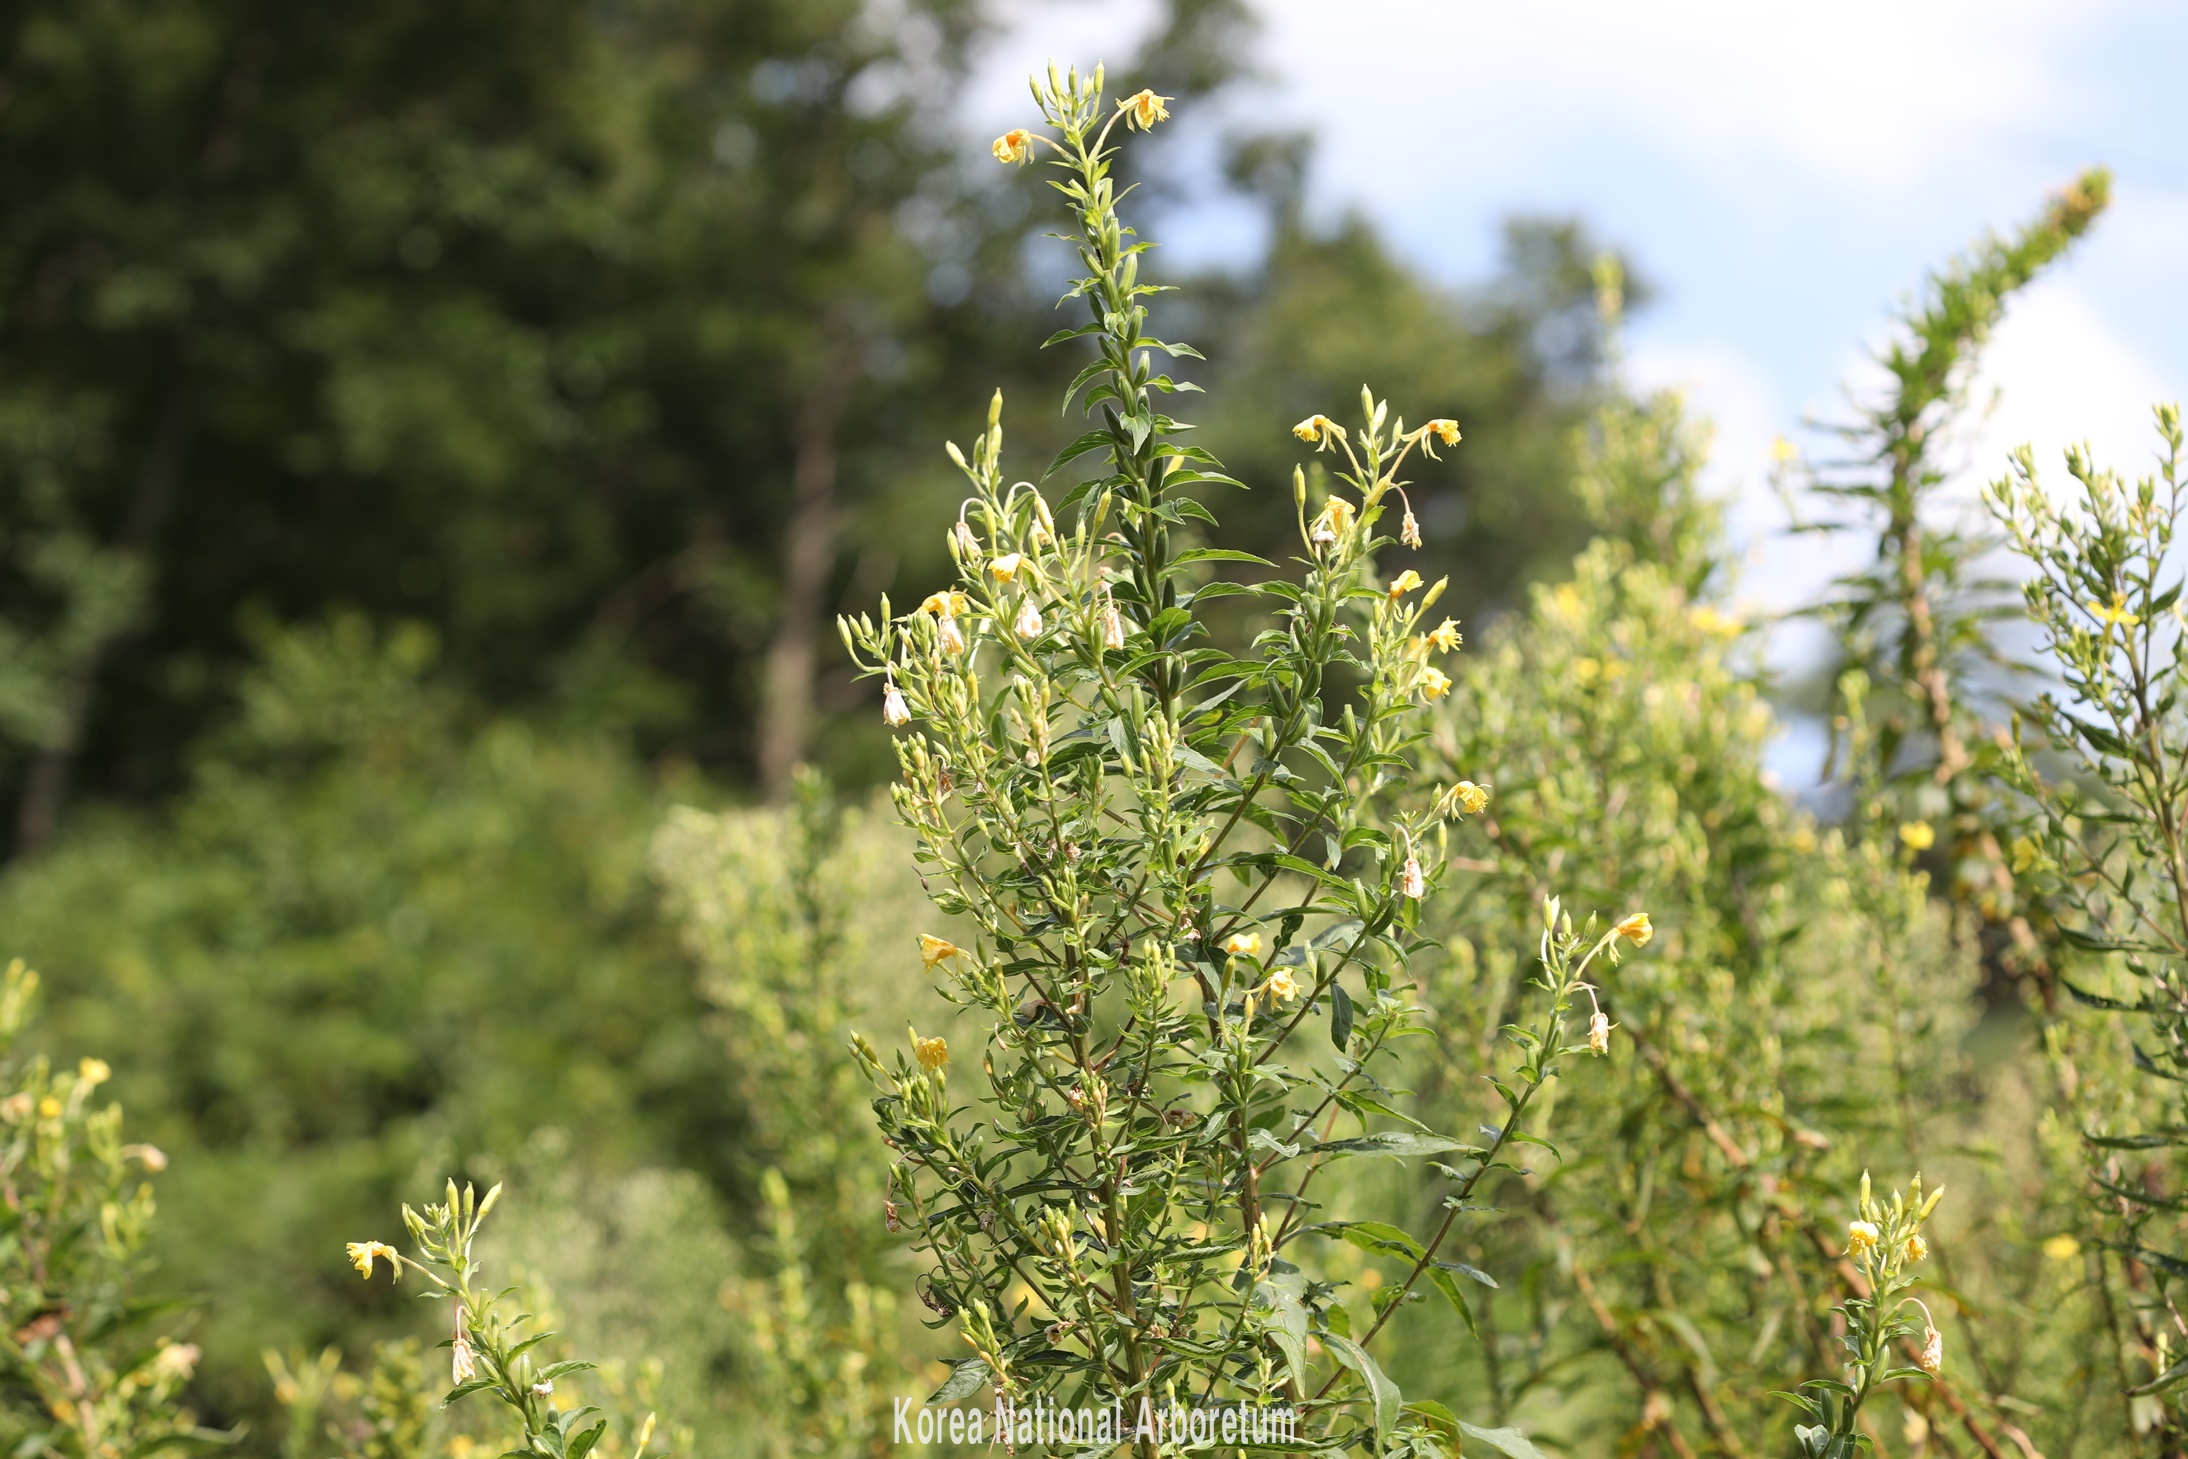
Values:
[(487, 1352), (1885, 1242), (1168, 859)]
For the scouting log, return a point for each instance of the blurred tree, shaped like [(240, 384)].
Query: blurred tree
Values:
[(378, 938), (538, 321)]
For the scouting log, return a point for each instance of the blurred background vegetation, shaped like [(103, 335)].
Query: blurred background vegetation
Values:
[(435, 442)]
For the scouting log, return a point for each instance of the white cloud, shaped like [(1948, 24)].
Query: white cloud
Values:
[(2065, 376), (1876, 94)]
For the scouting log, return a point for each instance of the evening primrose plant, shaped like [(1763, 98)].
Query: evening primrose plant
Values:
[(85, 1371), (491, 1350), (1185, 889)]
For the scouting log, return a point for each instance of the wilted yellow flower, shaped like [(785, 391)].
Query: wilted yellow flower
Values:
[(1319, 430), (1861, 1238), (949, 635), (1015, 145), (1471, 799), (1445, 635), (1635, 928), (1435, 683), (1112, 623), (153, 1157), (1146, 108), (2115, 616), (1404, 583), (1933, 1352), (1916, 1248), (1446, 431), (2062, 1247), (1917, 835), (932, 1053), (93, 1071), (934, 950), (1599, 1033), (1409, 530), (1335, 521), (894, 711), (1282, 986), (1029, 619), (1243, 944), (462, 1362), (1005, 567), (1410, 881), (362, 1253)]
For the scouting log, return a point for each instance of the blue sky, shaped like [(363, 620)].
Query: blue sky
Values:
[(1783, 174)]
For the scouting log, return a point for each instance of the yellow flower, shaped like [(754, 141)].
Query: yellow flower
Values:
[(361, 1254), (1319, 429), (2024, 854), (1917, 835), (2062, 1247), (1709, 620), (1447, 431), (944, 605), (1435, 683), (1282, 986), (933, 950), (1243, 944), (1635, 928), (1404, 583), (1005, 567), (1146, 108), (932, 1053), (94, 1071), (1861, 1238), (1782, 450), (49, 1108), (1916, 1248), (2117, 615), (1446, 635), (1015, 145), (1471, 799)]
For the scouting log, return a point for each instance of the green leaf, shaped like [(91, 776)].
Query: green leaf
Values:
[(1441, 1280), (968, 1375), (1340, 1016), (1385, 1393), (1398, 1144), (1504, 1441)]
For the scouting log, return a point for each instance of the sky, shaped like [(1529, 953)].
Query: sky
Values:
[(1783, 174)]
